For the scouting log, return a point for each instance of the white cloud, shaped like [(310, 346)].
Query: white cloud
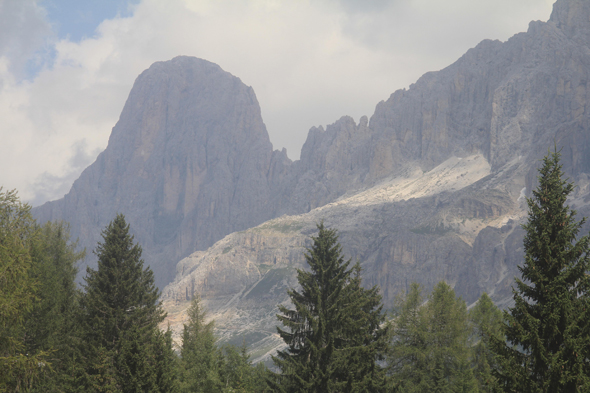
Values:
[(309, 63), (23, 32)]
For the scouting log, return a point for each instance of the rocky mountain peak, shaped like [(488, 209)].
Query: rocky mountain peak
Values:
[(573, 18), (186, 163), (184, 85)]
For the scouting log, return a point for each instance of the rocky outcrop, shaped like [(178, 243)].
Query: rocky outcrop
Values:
[(187, 163), (503, 99)]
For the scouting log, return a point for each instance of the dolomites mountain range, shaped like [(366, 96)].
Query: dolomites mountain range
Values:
[(430, 187)]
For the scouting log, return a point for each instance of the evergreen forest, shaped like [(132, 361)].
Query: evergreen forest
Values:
[(106, 336)]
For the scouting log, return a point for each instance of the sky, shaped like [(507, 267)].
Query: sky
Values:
[(67, 66)]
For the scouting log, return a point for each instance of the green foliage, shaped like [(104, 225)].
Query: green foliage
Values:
[(237, 373), (333, 335), (260, 375), (430, 348), (200, 360), (449, 338), (167, 362), (18, 232), (52, 323), (486, 320), (53, 338), (408, 354), (120, 317), (548, 328)]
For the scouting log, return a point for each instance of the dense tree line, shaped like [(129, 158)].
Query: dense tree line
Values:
[(105, 336), (541, 344)]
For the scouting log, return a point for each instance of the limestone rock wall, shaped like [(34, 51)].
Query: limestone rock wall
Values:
[(187, 163)]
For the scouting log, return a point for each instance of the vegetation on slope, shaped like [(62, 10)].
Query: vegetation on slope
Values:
[(105, 337)]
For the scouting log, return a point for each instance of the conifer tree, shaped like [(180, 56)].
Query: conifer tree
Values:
[(486, 320), (200, 359), (167, 362), (120, 316), (547, 330), (18, 231), (430, 348), (448, 341), (407, 357), (52, 323), (333, 334), (237, 374)]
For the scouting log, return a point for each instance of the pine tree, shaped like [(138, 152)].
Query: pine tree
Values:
[(448, 341), (333, 334), (486, 320), (237, 374), (548, 329), (120, 315), (260, 376), (167, 362), (199, 357)]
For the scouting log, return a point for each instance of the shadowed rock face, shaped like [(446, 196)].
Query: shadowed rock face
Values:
[(431, 187)]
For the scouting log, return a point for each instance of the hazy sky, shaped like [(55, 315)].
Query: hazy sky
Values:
[(66, 66)]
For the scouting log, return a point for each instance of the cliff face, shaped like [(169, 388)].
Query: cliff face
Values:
[(504, 100), (187, 163), (432, 187)]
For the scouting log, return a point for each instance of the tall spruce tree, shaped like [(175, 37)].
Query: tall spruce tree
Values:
[(334, 334), (548, 329), (120, 315)]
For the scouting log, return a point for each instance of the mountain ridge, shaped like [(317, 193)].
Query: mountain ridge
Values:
[(191, 165), (504, 102)]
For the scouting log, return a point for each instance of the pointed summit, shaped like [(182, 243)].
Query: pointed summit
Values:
[(573, 18)]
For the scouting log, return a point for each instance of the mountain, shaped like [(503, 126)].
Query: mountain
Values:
[(431, 187), (187, 163)]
